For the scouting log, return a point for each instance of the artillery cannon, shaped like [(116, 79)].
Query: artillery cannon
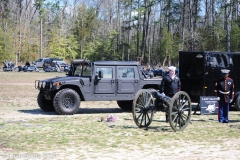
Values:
[(148, 101)]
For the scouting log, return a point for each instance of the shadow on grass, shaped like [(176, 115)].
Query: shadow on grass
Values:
[(37, 111), (100, 110), (159, 126), (80, 111), (156, 128), (233, 121), (199, 120)]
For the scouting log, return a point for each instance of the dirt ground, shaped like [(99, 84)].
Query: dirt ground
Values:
[(186, 151), (21, 106)]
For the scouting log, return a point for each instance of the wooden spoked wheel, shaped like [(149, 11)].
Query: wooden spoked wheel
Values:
[(180, 110), (143, 108)]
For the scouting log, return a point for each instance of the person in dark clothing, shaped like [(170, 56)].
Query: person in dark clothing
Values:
[(27, 64), (170, 84), (224, 90), (5, 64)]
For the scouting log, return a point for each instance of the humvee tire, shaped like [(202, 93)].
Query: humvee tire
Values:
[(44, 104), (125, 105), (237, 103), (66, 102)]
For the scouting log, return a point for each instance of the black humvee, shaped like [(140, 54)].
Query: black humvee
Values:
[(93, 81), (199, 70)]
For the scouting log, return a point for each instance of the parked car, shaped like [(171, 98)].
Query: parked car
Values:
[(39, 63), (58, 66), (62, 63), (51, 62)]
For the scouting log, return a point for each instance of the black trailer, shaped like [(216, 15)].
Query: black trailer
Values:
[(199, 70)]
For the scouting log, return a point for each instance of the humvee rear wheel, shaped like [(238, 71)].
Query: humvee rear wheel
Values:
[(237, 103), (44, 104), (180, 109), (143, 108), (66, 102), (125, 105)]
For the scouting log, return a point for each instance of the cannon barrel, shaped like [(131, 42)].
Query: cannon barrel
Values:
[(156, 94)]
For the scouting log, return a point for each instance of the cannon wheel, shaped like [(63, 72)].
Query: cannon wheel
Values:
[(143, 108), (180, 110)]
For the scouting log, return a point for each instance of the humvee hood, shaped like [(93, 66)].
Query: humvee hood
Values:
[(61, 79)]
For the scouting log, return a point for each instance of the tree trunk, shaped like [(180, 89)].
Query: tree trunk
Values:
[(227, 28)]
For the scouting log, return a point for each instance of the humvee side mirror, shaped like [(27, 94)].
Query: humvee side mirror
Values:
[(100, 74)]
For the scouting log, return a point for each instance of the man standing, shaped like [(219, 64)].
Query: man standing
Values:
[(170, 84), (224, 90)]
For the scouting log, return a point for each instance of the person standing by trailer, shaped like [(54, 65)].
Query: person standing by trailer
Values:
[(224, 90), (170, 84)]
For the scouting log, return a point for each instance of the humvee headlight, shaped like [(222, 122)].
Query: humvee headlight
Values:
[(44, 84), (40, 84), (51, 85)]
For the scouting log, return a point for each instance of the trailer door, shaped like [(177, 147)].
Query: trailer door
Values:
[(191, 73)]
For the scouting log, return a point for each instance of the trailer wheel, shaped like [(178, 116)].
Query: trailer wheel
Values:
[(237, 103)]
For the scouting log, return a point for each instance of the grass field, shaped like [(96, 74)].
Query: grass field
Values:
[(26, 132)]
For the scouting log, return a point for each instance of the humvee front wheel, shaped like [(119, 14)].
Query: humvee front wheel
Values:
[(44, 104), (125, 105), (66, 102)]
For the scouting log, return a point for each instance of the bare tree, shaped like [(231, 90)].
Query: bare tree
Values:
[(227, 26)]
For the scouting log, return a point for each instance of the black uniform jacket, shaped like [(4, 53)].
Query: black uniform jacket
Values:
[(224, 89), (170, 86)]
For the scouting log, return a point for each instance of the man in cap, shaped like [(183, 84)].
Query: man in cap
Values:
[(224, 90), (170, 84)]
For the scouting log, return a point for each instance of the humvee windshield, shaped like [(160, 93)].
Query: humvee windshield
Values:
[(81, 69)]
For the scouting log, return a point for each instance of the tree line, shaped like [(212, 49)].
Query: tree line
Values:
[(150, 31)]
